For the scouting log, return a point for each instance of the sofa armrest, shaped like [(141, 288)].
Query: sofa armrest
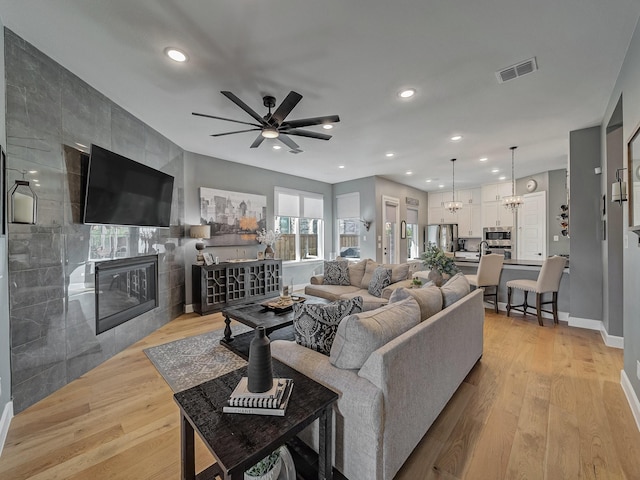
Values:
[(317, 280), (387, 291)]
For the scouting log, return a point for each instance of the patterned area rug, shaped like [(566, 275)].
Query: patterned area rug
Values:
[(190, 361)]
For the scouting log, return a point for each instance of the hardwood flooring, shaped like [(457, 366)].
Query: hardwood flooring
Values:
[(543, 403)]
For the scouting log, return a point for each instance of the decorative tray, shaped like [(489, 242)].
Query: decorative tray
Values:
[(277, 305)]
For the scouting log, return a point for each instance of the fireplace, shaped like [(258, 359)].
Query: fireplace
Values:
[(125, 288)]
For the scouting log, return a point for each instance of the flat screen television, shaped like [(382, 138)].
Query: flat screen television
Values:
[(121, 191)]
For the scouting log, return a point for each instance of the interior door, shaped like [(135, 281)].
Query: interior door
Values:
[(391, 232), (532, 227)]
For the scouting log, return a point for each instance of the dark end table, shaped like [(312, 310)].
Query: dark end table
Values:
[(239, 441)]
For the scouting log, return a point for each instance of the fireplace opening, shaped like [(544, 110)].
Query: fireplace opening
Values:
[(125, 289)]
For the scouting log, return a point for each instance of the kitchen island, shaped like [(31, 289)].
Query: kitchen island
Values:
[(513, 269)]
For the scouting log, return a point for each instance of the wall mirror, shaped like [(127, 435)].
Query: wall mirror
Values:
[(633, 189)]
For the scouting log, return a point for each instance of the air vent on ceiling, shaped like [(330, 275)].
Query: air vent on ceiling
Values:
[(518, 70)]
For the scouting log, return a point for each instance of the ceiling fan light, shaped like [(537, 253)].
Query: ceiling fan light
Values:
[(270, 133), (327, 126)]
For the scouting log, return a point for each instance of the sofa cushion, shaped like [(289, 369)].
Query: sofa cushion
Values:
[(369, 301), (360, 335), (332, 292), (315, 324), (368, 273), (399, 271), (336, 273), (356, 272), (429, 299), (381, 279), (456, 288)]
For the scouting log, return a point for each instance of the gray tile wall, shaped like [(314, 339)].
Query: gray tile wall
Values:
[(53, 338)]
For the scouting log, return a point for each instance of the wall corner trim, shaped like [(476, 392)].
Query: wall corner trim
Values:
[(5, 421), (632, 398), (188, 308)]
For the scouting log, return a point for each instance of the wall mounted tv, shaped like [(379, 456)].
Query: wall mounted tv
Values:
[(121, 191)]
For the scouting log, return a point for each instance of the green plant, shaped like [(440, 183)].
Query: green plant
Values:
[(416, 281), (265, 465), (435, 259)]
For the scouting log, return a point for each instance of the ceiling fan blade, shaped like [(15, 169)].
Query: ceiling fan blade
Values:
[(285, 108), (244, 107), (306, 122), (237, 131), (256, 143), (288, 142), (227, 119), (307, 133)]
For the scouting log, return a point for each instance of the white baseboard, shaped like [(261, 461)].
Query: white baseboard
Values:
[(5, 421), (188, 308), (609, 340), (632, 398)]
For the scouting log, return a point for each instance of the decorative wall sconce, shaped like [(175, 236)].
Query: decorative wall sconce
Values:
[(366, 223), (619, 188), (200, 232), (23, 201)]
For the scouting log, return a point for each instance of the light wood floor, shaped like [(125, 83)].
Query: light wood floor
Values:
[(543, 403)]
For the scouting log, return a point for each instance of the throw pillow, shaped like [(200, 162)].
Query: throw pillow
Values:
[(315, 324), (336, 273), (399, 271), (360, 335), (429, 299), (356, 272), (381, 278), (368, 273), (456, 288)]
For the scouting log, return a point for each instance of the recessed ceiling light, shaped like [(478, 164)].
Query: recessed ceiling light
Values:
[(428, 180), (327, 126), (440, 186), (277, 147), (484, 159), (175, 54), (408, 93), (33, 171), (409, 172), (389, 154), (340, 166), (456, 138), (502, 178), (36, 180), (37, 184), (495, 170)]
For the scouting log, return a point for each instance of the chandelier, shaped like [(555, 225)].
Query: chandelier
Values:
[(453, 206), (512, 202)]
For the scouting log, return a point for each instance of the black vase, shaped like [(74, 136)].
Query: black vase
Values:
[(260, 371)]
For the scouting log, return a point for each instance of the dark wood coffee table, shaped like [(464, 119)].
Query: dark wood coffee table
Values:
[(278, 324), (238, 441)]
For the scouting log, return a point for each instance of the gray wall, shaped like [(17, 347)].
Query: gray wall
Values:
[(53, 338), (628, 85), (585, 225), (204, 171), (368, 209), (5, 344)]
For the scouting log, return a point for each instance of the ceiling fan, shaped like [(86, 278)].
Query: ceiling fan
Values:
[(273, 125)]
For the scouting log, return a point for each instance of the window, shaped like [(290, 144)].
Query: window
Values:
[(413, 234), (299, 219), (348, 217)]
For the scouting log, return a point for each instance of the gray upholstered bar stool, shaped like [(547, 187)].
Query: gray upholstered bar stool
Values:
[(548, 282), (488, 275)]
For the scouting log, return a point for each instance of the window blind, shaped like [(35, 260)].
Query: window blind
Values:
[(348, 205)]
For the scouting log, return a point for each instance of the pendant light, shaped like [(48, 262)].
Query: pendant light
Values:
[(514, 201), (453, 206)]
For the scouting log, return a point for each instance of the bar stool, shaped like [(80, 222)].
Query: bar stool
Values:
[(488, 275), (548, 282)]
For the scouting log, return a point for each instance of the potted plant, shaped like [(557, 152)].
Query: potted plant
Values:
[(416, 282), (266, 469), (439, 263), (268, 238)]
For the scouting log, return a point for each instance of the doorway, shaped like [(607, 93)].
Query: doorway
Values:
[(390, 233), (532, 227)]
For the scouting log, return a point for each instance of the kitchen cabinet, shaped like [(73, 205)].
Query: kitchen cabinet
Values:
[(437, 212), (470, 221), (494, 192), (493, 213), (469, 218)]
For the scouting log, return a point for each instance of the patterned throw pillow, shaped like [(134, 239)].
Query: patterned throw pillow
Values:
[(315, 324), (336, 273), (381, 279)]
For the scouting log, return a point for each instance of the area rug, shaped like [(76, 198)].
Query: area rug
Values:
[(190, 361)]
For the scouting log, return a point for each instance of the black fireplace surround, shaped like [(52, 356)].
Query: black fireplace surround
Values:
[(125, 288)]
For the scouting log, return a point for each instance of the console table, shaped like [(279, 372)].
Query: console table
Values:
[(215, 287)]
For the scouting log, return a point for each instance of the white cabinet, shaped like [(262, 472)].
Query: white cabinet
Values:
[(470, 221), (471, 196), (493, 213), (469, 218)]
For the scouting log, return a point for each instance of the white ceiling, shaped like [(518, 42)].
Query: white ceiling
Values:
[(351, 57)]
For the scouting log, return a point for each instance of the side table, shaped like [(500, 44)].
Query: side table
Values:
[(238, 441)]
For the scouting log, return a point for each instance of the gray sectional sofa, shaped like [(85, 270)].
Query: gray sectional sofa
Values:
[(395, 368), (360, 275)]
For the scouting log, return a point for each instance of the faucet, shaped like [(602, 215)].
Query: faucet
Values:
[(480, 249)]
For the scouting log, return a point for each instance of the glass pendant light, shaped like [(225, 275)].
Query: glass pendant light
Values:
[(453, 206), (512, 202)]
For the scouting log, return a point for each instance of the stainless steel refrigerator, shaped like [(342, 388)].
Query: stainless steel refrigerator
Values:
[(445, 236)]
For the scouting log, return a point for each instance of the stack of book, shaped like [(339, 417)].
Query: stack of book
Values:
[(271, 402)]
